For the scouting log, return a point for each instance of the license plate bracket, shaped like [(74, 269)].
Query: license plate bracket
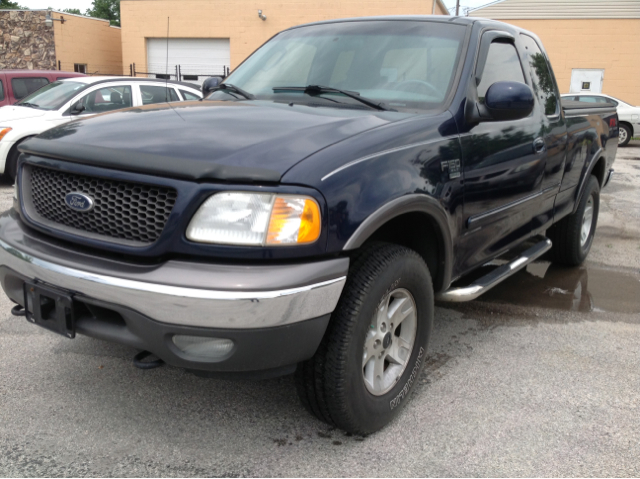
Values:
[(51, 308)]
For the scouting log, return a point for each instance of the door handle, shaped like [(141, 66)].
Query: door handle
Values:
[(538, 145)]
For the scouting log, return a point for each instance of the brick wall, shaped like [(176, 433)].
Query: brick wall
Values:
[(88, 41), (26, 42), (238, 20)]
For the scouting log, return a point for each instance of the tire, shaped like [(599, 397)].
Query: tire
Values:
[(624, 135), (11, 165), (338, 384), (571, 244)]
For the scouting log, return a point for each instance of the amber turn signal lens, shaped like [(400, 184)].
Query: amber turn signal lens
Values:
[(3, 132), (294, 220)]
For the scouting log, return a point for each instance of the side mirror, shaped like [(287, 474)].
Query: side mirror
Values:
[(508, 100), (210, 84), (77, 109)]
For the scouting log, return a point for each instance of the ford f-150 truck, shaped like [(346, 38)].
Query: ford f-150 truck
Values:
[(306, 215)]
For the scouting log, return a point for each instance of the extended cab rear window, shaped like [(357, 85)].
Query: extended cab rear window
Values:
[(1, 91), (23, 87), (543, 84)]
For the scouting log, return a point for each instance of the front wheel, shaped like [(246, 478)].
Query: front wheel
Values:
[(572, 236), (376, 342)]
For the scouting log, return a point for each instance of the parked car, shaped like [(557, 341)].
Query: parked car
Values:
[(66, 100), (629, 116), (17, 84), (306, 215)]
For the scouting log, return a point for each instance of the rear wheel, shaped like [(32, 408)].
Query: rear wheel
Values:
[(572, 236), (624, 135), (375, 345)]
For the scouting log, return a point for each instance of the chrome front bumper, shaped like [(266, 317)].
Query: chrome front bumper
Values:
[(175, 292)]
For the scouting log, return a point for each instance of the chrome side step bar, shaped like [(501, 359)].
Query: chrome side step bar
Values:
[(488, 281)]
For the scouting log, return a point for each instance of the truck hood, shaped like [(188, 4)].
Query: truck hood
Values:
[(12, 113), (231, 141)]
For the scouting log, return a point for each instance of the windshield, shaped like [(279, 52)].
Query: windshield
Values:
[(52, 96), (405, 65)]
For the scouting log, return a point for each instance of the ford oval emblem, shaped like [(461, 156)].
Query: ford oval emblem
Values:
[(79, 201)]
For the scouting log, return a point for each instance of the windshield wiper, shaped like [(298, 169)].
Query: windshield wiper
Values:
[(30, 105), (235, 89), (319, 89)]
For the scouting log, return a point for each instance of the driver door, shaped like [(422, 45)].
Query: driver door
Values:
[(503, 164)]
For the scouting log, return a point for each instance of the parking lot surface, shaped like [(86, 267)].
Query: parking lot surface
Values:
[(539, 377)]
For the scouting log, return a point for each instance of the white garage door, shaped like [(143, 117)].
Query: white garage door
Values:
[(196, 57)]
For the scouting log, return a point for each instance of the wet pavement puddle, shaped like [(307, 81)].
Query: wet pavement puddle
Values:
[(584, 289)]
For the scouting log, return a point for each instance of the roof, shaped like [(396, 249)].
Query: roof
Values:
[(91, 80), (95, 79), (558, 9), (405, 18), (55, 11), (24, 71)]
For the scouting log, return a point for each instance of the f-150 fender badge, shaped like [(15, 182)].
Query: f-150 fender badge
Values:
[(452, 167), (79, 201)]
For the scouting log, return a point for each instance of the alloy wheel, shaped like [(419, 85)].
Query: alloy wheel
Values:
[(389, 341)]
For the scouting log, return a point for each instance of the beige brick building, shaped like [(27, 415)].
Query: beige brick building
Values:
[(205, 35), (77, 43), (594, 43)]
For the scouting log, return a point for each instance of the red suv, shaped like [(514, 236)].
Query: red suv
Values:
[(17, 84)]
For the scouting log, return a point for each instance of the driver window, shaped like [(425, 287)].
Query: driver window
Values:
[(106, 99), (502, 65)]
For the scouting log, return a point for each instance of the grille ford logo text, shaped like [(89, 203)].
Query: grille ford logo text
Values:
[(79, 201)]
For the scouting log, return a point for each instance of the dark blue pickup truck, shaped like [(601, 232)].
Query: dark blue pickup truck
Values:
[(306, 215)]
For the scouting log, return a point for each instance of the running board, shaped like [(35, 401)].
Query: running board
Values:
[(488, 281)]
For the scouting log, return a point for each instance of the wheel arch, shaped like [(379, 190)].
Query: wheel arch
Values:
[(14, 148), (407, 221), (597, 168)]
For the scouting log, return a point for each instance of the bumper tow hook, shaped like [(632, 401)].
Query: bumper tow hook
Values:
[(18, 310), (140, 364)]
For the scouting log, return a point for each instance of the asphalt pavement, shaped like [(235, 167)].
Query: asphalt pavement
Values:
[(540, 377)]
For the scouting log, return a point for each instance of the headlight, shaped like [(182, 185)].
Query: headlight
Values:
[(256, 219), (4, 131)]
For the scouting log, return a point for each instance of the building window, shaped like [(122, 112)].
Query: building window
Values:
[(586, 85), (80, 67), (190, 77)]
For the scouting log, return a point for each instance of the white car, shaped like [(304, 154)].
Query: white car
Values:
[(628, 115), (66, 100)]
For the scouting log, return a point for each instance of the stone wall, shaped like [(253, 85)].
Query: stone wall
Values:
[(25, 41)]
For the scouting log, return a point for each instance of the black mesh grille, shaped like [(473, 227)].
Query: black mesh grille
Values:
[(128, 211)]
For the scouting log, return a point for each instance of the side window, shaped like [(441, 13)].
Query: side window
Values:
[(157, 94), (543, 84), (502, 65), (23, 87), (189, 96), (1, 91), (590, 99), (107, 99)]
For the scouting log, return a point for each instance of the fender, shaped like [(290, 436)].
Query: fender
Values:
[(412, 203), (583, 180)]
